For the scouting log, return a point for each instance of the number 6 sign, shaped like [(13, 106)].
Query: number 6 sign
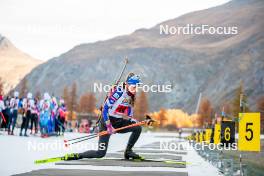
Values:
[(249, 132), (227, 132)]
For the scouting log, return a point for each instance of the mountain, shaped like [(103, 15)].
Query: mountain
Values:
[(14, 64), (211, 64)]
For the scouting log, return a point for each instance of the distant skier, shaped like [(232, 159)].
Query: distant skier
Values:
[(61, 117), (6, 113), (180, 133), (34, 116), (13, 112), (44, 115), (54, 109), (27, 105), (2, 108), (117, 112)]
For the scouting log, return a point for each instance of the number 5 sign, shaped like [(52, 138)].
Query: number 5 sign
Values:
[(249, 132)]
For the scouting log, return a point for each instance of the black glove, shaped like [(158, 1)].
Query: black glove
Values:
[(149, 120)]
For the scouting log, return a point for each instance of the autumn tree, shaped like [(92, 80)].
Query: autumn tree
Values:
[(87, 103), (91, 103), (260, 104), (83, 103), (65, 95), (260, 108), (72, 100), (162, 117), (141, 106), (205, 112)]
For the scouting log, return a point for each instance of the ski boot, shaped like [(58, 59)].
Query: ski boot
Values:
[(72, 156), (129, 154)]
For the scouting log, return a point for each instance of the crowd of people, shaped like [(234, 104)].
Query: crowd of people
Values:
[(45, 115)]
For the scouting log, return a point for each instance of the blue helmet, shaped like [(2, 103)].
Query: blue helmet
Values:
[(133, 80)]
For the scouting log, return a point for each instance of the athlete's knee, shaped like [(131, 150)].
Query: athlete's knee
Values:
[(138, 129), (101, 153)]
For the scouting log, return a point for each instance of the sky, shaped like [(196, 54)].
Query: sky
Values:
[(48, 28)]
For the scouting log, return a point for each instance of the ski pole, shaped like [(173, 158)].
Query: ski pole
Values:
[(85, 139), (122, 72), (106, 132), (59, 123), (80, 137), (148, 120), (115, 84), (117, 81), (3, 117)]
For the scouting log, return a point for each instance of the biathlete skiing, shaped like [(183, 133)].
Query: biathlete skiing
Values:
[(116, 117), (117, 112)]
